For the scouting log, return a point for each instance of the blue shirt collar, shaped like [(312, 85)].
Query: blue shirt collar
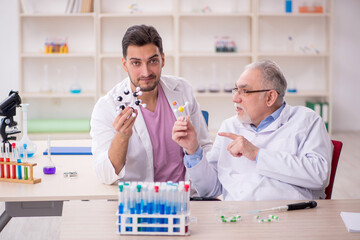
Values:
[(269, 119)]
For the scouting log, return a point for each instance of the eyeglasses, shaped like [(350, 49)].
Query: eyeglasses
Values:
[(245, 92)]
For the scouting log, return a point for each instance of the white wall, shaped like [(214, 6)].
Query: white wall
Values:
[(8, 47), (346, 69)]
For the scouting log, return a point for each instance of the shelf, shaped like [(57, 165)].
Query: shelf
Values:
[(294, 15), (308, 94), (292, 54), (216, 14), (57, 55), (58, 95), (259, 28), (36, 15), (222, 94), (120, 55), (215, 54), (152, 14)]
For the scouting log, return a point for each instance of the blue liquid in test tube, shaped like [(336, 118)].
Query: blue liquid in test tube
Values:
[(288, 6), (18, 160)]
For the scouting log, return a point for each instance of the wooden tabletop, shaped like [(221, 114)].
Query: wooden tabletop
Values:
[(96, 220), (85, 186)]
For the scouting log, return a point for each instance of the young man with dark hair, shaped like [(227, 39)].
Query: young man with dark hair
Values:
[(140, 148)]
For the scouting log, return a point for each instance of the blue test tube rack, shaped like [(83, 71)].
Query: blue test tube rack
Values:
[(153, 208)]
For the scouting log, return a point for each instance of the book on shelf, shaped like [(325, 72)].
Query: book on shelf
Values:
[(86, 6), (69, 6), (321, 108), (27, 6), (79, 6)]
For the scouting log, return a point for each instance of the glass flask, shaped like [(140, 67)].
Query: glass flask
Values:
[(31, 146), (49, 167)]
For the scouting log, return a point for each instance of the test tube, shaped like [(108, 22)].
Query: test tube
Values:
[(157, 198), (138, 199), (144, 197), (168, 201), (13, 159), (8, 160), (121, 198), (182, 197), (25, 155), (151, 199), (127, 197), (18, 159), (2, 168), (132, 201), (187, 197), (162, 198), (150, 203)]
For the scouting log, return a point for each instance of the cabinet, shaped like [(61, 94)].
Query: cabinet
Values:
[(259, 28)]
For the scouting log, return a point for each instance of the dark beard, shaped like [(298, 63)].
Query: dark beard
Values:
[(148, 89)]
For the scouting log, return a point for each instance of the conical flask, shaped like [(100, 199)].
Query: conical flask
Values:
[(49, 167), (31, 146)]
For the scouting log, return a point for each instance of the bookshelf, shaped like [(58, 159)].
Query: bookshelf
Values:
[(260, 29)]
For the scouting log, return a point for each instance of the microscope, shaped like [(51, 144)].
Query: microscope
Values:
[(8, 110)]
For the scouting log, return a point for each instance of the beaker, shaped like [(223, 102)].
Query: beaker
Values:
[(31, 146), (46, 84), (229, 84), (214, 86), (75, 86), (49, 167), (291, 88), (290, 44), (201, 85)]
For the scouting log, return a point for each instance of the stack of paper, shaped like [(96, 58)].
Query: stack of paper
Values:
[(351, 220)]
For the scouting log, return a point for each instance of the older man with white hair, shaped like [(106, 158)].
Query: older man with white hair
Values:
[(268, 151)]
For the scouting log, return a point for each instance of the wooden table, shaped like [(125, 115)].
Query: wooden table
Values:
[(96, 220), (46, 198)]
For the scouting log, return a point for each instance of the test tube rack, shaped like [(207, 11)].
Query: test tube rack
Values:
[(153, 224), (30, 179), (148, 208)]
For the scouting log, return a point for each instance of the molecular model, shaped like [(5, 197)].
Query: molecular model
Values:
[(137, 101), (180, 108)]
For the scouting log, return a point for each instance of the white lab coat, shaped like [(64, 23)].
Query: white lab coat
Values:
[(293, 162), (139, 159)]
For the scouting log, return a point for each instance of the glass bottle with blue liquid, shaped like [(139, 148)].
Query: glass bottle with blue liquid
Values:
[(31, 146)]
